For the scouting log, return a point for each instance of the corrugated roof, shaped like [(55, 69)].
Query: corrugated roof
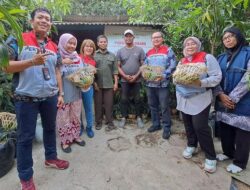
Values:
[(61, 23)]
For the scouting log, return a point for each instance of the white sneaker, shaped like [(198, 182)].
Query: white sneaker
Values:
[(234, 169), (221, 157), (189, 151), (210, 165), (122, 122), (140, 123)]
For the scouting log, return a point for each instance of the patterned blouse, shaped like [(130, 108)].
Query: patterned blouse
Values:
[(242, 122)]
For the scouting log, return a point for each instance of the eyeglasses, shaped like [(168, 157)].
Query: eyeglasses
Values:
[(156, 37), (229, 37)]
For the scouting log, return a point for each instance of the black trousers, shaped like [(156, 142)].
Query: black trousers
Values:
[(130, 90), (197, 130), (235, 144)]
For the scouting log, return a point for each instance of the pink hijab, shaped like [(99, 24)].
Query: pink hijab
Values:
[(64, 38)]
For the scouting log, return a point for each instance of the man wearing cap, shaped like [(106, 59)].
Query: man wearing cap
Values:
[(158, 91), (130, 58)]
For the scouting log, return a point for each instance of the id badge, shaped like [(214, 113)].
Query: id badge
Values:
[(46, 74)]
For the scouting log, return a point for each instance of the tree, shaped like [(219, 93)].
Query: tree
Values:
[(13, 22), (205, 19), (97, 8)]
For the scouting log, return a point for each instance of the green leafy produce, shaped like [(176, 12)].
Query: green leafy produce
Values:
[(188, 73), (248, 79), (151, 73), (84, 77)]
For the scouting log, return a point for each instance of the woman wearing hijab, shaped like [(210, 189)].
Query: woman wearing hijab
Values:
[(68, 116), (233, 100), (194, 102)]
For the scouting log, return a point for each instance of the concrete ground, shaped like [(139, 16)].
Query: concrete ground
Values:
[(126, 159)]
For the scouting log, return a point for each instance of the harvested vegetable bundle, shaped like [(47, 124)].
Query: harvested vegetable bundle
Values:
[(248, 79), (151, 73), (84, 77), (188, 73)]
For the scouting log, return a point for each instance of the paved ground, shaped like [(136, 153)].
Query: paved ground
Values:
[(126, 159)]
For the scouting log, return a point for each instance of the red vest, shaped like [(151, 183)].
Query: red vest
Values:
[(163, 49), (199, 57), (29, 39)]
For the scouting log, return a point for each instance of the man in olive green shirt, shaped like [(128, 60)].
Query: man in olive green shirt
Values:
[(106, 83)]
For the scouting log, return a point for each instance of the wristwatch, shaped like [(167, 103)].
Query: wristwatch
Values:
[(61, 94)]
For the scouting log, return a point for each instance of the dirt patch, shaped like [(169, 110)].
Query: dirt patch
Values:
[(147, 139), (118, 144)]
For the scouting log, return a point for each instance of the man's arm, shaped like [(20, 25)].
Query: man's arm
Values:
[(123, 75), (18, 66), (115, 82), (172, 66), (138, 74)]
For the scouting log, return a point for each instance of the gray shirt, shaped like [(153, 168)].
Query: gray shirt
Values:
[(196, 104), (71, 92), (130, 59)]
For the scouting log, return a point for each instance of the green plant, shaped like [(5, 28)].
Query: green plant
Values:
[(4, 57), (6, 102)]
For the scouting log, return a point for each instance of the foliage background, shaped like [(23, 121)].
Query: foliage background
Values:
[(205, 19)]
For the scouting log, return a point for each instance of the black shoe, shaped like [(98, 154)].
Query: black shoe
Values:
[(80, 143), (153, 129), (166, 134), (110, 127), (98, 126), (66, 150)]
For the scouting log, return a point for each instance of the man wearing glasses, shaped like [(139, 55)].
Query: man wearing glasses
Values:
[(158, 90)]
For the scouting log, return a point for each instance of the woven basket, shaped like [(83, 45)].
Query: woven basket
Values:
[(8, 121)]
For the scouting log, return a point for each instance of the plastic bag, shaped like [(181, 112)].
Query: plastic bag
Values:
[(7, 154)]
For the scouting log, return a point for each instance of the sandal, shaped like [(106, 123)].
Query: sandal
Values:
[(80, 142), (67, 149)]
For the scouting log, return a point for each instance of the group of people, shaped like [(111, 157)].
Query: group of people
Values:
[(41, 70)]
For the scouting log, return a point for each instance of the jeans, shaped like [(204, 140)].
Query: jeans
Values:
[(158, 100), (87, 98), (130, 90), (26, 114)]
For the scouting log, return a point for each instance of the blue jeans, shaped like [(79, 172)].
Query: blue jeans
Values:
[(87, 98), (26, 113), (159, 98)]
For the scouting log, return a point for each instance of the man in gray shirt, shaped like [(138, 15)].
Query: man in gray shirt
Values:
[(130, 58)]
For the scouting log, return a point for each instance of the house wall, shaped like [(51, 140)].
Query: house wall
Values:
[(113, 32), (116, 41)]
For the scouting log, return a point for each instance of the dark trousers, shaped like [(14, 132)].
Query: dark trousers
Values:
[(26, 113), (197, 130), (104, 102), (158, 99), (130, 90), (235, 144)]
